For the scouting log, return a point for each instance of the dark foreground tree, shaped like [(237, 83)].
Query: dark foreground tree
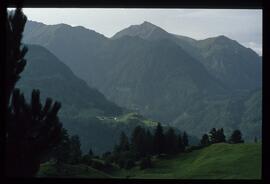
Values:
[(32, 130), (236, 137), (15, 52)]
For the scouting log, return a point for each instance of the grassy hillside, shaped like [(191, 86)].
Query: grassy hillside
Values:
[(218, 161), (81, 171)]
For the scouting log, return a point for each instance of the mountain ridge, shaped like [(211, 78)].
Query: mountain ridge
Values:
[(161, 76)]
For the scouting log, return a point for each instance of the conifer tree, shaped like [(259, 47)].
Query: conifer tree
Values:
[(32, 130), (124, 143), (220, 136), (61, 153), (159, 140), (185, 140), (90, 152), (149, 142), (181, 146), (15, 50), (213, 136), (75, 152), (255, 139), (171, 141), (236, 137), (138, 141), (205, 140)]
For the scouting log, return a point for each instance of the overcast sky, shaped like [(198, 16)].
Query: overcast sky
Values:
[(245, 26)]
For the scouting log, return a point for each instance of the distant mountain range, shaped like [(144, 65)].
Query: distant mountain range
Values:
[(192, 84), (85, 111)]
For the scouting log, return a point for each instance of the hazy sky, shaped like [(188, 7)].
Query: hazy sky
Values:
[(245, 26)]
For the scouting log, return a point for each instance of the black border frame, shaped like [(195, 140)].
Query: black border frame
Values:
[(196, 4)]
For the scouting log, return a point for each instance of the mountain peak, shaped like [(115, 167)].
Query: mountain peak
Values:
[(222, 37), (146, 30), (146, 23)]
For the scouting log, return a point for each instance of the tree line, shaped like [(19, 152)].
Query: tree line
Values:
[(143, 144), (218, 136)]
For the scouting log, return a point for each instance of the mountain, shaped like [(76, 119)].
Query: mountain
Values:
[(46, 72), (80, 103), (236, 111), (192, 84), (146, 30), (156, 78), (85, 111), (236, 66), (75, 46)]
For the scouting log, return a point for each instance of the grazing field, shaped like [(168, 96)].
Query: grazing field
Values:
[(218, 161)]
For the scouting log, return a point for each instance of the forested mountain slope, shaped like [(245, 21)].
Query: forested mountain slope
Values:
[(192, 84)]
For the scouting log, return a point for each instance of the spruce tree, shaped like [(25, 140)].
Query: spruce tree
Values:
[(138, 141), (149, 142), (124, 143), (170, 141), (185, 140), (236, 137), (255, 139), (90, 152), (213, 136), (159, 140), (220, 136), (75, 152), (181, 146), (205, 140), (61, 153)]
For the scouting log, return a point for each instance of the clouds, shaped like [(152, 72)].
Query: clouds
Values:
[(255, 46), (245, 26)]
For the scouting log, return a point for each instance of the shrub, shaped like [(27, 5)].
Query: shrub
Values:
[(146, 163), (86, 159), (129, 164), (97, 165), (163, 155), (191, 148)]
